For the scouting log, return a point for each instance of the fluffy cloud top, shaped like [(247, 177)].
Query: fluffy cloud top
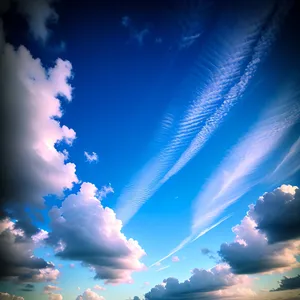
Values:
[(202, 283), (50, 289), (82, 220), (271, 219), (6, 296), (17, 260), (55, 297), (89, 295), (277, 214), (30, 109)]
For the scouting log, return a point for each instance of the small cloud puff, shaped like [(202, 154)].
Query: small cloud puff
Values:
[(50, 289), (99, 288), (93, 157), (175, 259), (89, 295)]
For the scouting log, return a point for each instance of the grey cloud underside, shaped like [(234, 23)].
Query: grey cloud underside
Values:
[(277, 214), (197, 287), (287, 283), (269, 234), (91, 234), (16, 260)]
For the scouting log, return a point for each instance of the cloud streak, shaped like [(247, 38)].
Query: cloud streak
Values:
[(235, 175), (208, 110), (190, 239)]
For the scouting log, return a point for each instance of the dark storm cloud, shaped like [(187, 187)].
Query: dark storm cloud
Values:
[(288, 283), (277, 214)]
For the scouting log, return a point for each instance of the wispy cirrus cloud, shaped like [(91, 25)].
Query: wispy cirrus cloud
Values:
[(189, 239), (162, 268), (227, 85), (238, 172)]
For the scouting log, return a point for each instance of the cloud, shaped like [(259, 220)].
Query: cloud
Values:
[(162, 268), (98, 288), (175, 259), (190, 239), (205, 251), (210, 254), (252, 252), (38, 15), (202, 283), (288, 283), (277, 214), (32, 167), (40, 236), (27, 288), (6, 296), (237, 173), (105, 190), (212, 103), (17, 258), (50, 289), (126, 21), (236, 91), (135, 34), (90, 295), (91, 233), (289, 165), (55, 297), (91, 157)]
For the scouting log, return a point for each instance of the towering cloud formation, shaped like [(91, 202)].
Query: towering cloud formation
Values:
[(32, 167), (268, 237), (82, 220)]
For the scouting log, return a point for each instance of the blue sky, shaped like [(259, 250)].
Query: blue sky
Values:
[(136, 138)]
